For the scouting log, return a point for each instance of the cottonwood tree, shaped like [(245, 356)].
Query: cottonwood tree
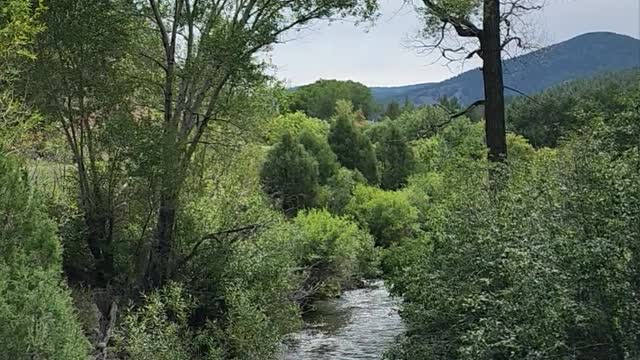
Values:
[(207, 49), (462, 29)]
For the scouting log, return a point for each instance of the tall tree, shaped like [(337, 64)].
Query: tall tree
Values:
[(208, 50), (491, 24), (319, 148), (395, 157), (393, 110), (353, 149), (290, 175)]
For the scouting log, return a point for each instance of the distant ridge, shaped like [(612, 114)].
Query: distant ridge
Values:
[(579, 57)]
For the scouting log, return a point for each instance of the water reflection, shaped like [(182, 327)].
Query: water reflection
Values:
[(361, 324)]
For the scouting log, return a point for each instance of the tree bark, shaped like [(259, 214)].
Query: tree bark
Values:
[(493, 82)]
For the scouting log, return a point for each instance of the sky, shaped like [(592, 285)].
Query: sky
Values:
[(381, 54)]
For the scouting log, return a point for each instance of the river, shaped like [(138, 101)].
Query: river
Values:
[(361, 324)]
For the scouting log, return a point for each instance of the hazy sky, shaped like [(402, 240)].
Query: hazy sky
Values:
[(381, 55)]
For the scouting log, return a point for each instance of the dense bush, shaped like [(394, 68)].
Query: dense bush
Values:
[(547, 268), (552, 115), (158, 329), (422, 122), (388, 215), (319, 148), (294, 124), (337, 193), (37, 320), (332, 251), (319, 99)]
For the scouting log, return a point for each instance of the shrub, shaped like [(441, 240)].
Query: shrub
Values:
[(337, 193), (294, 124), (547, 268), (333, 252), (36, 315), (158, 329), (388, 215)]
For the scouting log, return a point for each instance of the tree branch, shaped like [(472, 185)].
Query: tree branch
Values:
[(215, 236)]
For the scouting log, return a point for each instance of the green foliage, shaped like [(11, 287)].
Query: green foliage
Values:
[(545, 268), (388, 215), (19, 25), (451, 104), (333, 252), (36, 316), (320, 98), (460, 140), (353, 149), (393, 110), (158, 329), (295, 124), (337, 193), (395, 157), (290, 175), (421, 122), (519, 148), (319, 148), (241, 282), (552, 115)]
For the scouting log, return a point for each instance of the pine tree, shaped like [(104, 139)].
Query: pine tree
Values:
[(395, 157), (321, 151), (290, 176), (393, 110), (351, 146)]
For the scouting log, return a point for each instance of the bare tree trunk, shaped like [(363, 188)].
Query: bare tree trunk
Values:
[(98, 218), (159, 267), (159, 260), (99, 238), (493, 82)]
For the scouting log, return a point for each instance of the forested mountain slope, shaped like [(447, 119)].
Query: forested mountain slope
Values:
[(580, 57)]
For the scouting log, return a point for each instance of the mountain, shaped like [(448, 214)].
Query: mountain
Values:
[(580, 57)]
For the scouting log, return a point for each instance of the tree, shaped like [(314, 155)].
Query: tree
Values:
[(207, 57), (353, 149), (290, 176), (393, 110), (497, 32), (395, 157), (321, 151), (451, 104), (319, 99)]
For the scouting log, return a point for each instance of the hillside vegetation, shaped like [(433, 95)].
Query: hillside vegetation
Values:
[(583, 56), (176, 203)]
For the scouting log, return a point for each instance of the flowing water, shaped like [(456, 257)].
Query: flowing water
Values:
[(361, 324)]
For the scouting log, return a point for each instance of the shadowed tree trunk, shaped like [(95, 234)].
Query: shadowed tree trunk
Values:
[(491, 50), (496, 32)]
